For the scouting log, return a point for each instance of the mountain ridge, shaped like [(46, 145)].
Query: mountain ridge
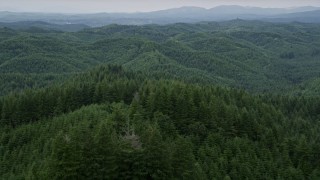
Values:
[(186, 14), (236, 53)]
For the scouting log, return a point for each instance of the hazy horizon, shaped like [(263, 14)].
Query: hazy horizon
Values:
[(129, 6)]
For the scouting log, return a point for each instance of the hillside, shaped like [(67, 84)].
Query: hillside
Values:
[(307, 17), (256, 56), (144, 92), (42, 26), (211, 100), (112, 123)]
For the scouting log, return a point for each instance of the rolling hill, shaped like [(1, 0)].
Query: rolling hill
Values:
[(257, 56), (210, 100)]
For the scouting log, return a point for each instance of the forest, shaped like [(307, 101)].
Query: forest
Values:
[(229, 100)]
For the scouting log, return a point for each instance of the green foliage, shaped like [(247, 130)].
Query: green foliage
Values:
[(157, 109), (256, 56), (112, 124)]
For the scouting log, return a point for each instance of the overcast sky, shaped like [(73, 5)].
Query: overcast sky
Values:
[(90, 6)]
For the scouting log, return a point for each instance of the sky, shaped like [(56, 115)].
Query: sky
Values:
[(93, 6)]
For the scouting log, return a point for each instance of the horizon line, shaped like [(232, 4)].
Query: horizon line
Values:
[(135, 12)]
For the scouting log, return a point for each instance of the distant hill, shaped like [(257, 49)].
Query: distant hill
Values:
[(308, 17), (32, 25), (254, 55), (175, 15)]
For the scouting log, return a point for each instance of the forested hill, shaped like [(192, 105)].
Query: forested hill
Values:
[(228, 100), (256, 56), (111, 123), (40, 25)]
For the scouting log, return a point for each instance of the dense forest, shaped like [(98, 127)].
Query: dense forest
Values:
[(230, 100), (252, 55)]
